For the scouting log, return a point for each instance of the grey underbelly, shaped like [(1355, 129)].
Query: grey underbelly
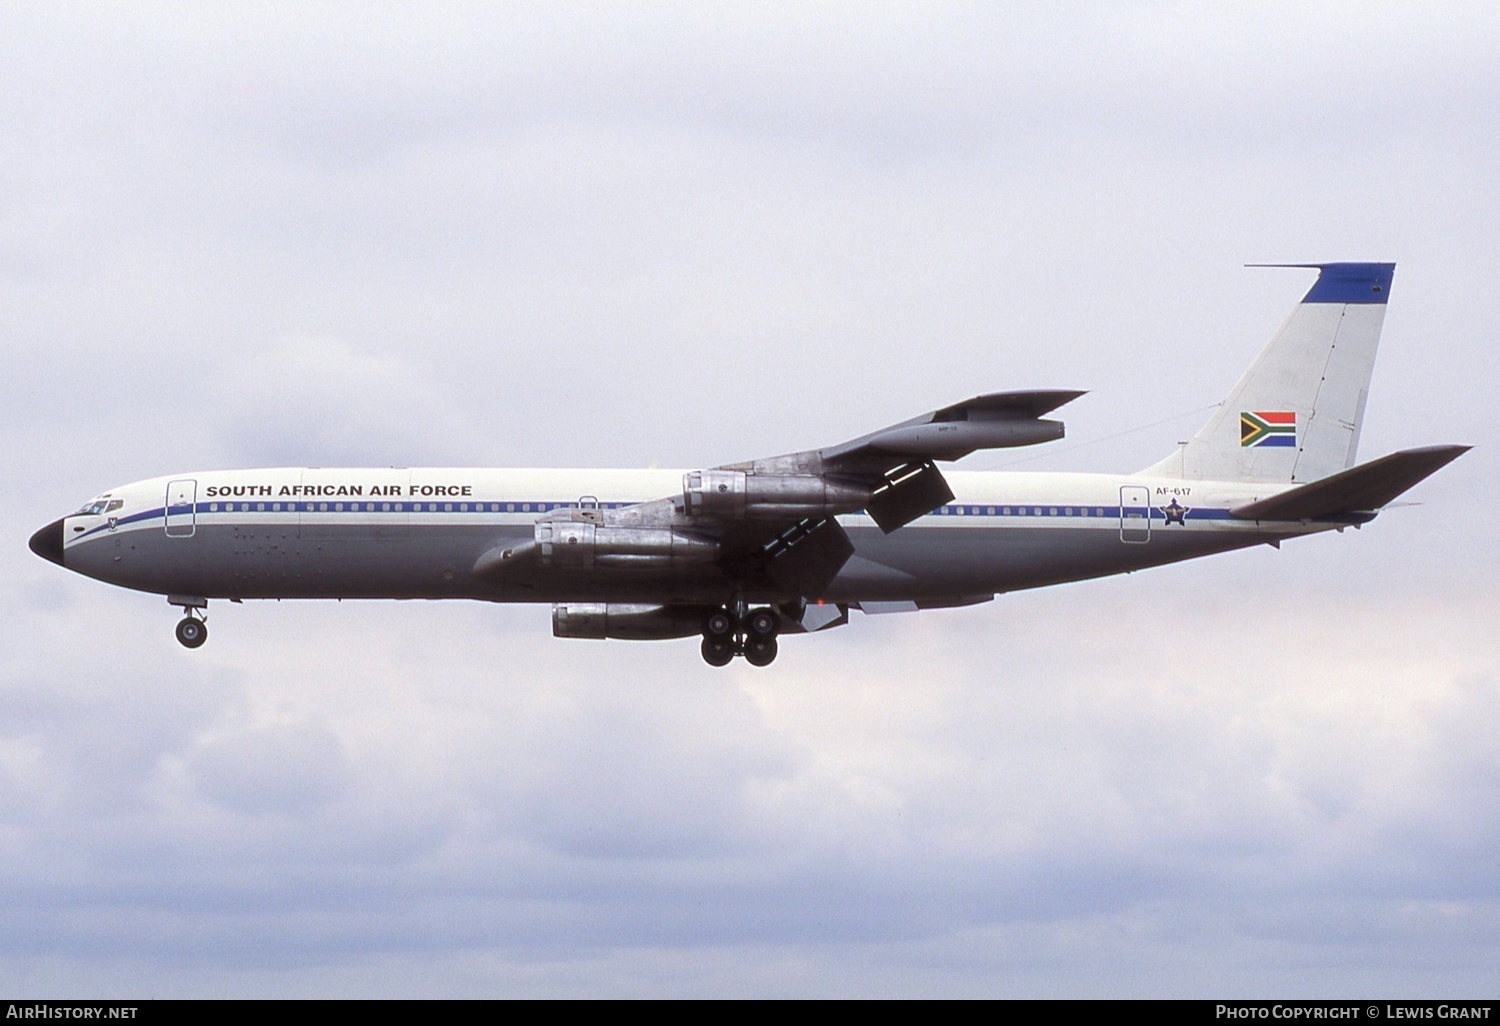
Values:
[(435, 562)]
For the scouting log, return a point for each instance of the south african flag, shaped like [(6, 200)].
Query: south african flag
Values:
[(1275, 428)]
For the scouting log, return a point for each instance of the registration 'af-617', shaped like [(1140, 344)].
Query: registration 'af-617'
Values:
[(744, 553)]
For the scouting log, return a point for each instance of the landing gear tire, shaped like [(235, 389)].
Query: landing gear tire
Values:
[(191, 632), (760, 651), (761, 624), (718, 625), (718, 651)]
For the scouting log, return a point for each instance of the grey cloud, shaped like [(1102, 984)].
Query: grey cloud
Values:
[(295, 768), (475, 236)]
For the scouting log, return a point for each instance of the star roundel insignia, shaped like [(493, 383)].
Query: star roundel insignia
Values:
[(1175, 512)]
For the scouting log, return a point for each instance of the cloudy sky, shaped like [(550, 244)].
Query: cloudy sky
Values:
[(600, 235)]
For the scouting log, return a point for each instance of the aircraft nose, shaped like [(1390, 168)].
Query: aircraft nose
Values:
[(48, 542)]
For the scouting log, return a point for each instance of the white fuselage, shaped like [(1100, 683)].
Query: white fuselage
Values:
[(394, 533)]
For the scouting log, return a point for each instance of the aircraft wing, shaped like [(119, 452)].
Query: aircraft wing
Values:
[(994, 421), (773, 519), (896, 466)]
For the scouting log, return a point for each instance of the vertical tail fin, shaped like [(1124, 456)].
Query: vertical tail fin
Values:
[(1295, 414)]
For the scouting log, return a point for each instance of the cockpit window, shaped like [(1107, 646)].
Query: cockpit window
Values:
[(114, 504), (100, 505)]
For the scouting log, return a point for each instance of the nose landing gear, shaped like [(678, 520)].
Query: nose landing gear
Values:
[(730, 632), (192, 631)]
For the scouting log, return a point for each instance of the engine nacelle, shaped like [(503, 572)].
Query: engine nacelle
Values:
[(627, 622), (735, 494), (581, 545)]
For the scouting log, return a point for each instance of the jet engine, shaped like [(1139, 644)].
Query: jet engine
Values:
[(737, 493), (582, 545), (624, 621)]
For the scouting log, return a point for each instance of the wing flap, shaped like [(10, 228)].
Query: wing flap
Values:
[(910, 491), (1360, 489), (806, 557)]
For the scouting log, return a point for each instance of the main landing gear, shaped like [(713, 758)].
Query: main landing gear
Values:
[(192, 630), (731, 632)]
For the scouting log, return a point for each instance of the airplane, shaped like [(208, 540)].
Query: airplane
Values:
[(745, 553)]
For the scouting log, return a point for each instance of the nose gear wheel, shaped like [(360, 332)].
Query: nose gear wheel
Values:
[(191, 632)]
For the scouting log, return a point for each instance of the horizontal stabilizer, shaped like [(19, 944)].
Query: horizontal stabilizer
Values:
[(1360, 489)]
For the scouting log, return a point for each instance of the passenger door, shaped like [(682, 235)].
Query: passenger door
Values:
[(1135, 514), (182, 498)]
